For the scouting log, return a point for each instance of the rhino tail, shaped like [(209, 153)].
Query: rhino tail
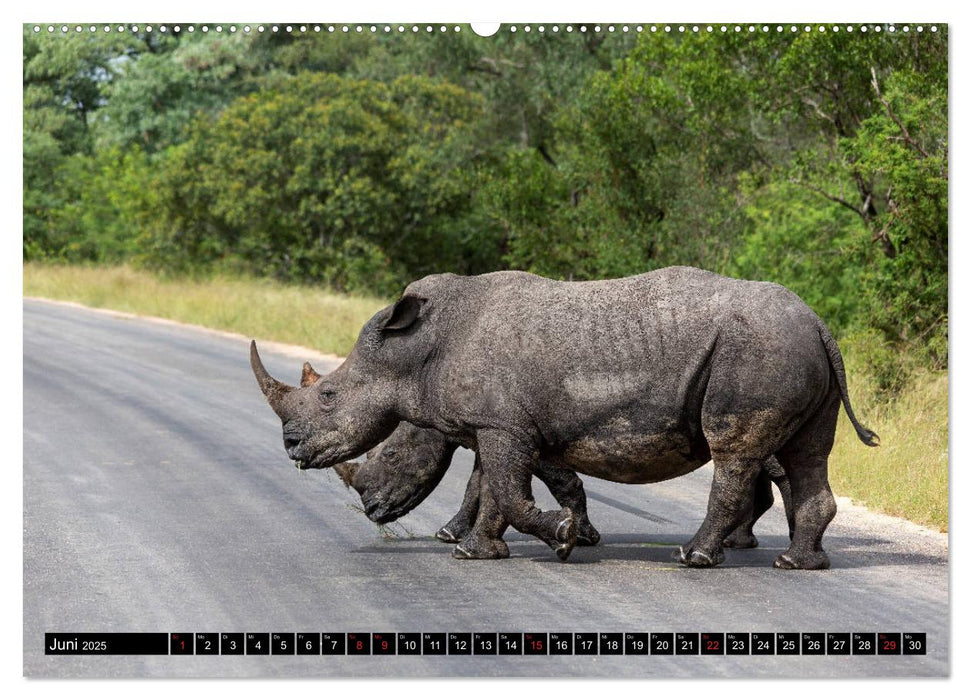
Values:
[(867, 436)]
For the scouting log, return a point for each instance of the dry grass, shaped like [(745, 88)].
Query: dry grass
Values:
[(308, 316), (906, 476)]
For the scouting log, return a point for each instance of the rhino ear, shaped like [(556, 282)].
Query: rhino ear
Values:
[(404, 314), (309, 375)]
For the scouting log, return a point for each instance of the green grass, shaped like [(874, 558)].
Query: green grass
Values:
[(308, 316), (905, 476)]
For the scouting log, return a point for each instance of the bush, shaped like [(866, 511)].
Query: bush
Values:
[(295, 180)]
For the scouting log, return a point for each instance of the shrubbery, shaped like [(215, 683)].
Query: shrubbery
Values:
[(817, 160)]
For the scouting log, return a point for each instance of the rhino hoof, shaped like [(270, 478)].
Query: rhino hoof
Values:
[(587, 537), (697, 559), (816, 560), (461, 552), (465, 550), (700, 559), (566, 536), (445, 535)]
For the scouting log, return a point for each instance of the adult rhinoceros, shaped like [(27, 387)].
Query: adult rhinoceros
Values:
[(632, 380)]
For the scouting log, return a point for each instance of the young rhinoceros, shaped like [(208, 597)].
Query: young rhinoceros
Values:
[(632, 380), (403, 470)]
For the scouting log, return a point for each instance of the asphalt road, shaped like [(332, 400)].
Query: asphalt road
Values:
[(158, 498)]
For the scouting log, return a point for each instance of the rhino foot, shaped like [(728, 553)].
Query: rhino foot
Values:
[(587, 535), (812, 560), (741, 540), (696, 558), (456, 529), (481, 549), (447, 536), (566, 538)]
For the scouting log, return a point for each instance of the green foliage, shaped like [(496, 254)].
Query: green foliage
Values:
[(904, 148), (868, 116), (295, 179), (156, 94), (792, 238), (815, 159), (42, 158), (646, 168), (527, 198), (524, 78), (65, 80), (63, 86), (110, 203)]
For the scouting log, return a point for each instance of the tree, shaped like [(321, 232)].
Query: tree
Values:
[(646, 160), (154, 95), (298, 179), (814, 159), (817, 159), (64, 81), (866, 115), (902, 149)]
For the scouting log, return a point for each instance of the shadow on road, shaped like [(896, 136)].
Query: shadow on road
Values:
[(844, 552)]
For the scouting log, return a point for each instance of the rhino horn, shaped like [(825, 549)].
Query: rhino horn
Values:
[(309, 375), (273, 390)]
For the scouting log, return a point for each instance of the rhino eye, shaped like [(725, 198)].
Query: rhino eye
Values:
[(327, 395)]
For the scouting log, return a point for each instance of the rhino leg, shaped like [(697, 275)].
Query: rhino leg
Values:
[(456, 529), (772, 473), (743, 537), (567, 489), (484, 541), (728, 506), (779, 478), (805, 461), (815, 508), (565, 486), (507, 467)]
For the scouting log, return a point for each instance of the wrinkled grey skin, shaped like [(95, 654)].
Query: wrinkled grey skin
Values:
[(634, 380), (403, 470)]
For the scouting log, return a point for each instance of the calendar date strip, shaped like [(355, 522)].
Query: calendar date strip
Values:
[(486, 643)]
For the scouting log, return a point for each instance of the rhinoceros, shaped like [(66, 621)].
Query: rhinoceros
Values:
[(633, 380), (403, 470)]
